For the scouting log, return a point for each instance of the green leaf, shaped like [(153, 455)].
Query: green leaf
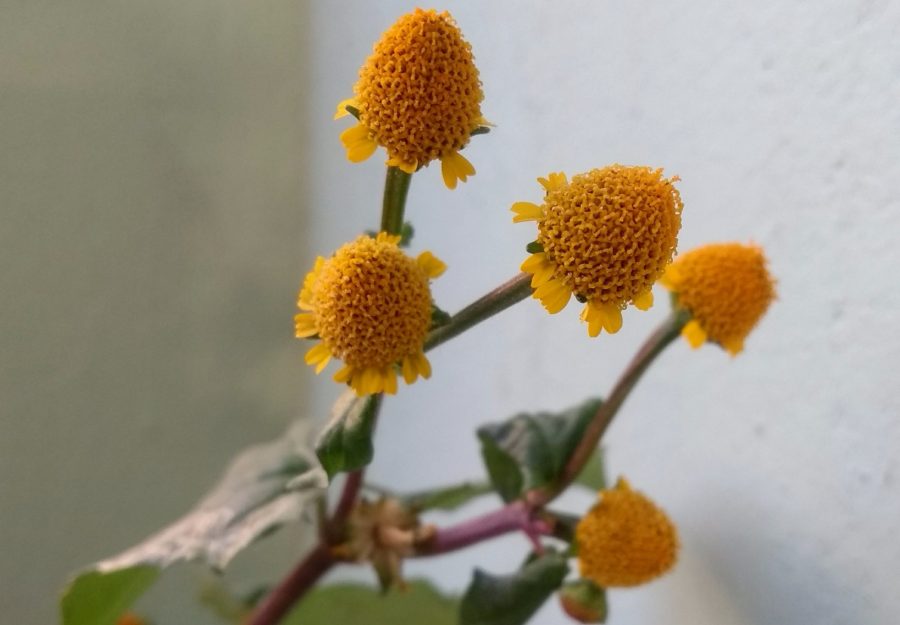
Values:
[(593, 475), (346, 442), (512, 599), (263, 488), (448, 498), (98, 598), (503, 470), (530, 450), (420, 603)]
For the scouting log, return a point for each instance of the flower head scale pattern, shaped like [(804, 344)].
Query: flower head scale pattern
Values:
[(726, 288), (370, 306), (418, 96), (605, 236), (625, 539)]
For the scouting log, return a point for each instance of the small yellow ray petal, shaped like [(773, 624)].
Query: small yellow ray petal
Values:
[(344, 374), (482, 121), (304, 300), (409, 370), (454, 166), (553, 181), (384, 237), (612, 317), (554, 295), (318, 355), (431, 264), (526, 211), (643, 301), (671, 278), (594, 320), (542, 275), (407, 168), (422, 365), (342, 111), (358, 143), (533, 262), (305, 325), (694, 333), (389, 376), (368, 381), (356, 385)]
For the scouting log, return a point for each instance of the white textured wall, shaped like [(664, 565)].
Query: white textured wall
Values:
[(782, 118)]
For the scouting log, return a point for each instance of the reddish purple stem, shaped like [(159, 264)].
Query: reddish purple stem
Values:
[(512, 517), (302, 578)]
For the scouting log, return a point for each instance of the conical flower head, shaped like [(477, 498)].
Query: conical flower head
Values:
[(625, 539), (727, 289), (604, 237), (418, 96), (370, 306)]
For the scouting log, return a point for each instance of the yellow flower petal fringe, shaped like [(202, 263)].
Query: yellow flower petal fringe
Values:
[(419, 96), (605, 237), (370, 306)]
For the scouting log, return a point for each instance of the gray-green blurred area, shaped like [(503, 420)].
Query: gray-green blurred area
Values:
[(151, 244)]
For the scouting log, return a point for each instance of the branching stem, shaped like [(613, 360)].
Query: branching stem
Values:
[(501, 298), (661, 338)]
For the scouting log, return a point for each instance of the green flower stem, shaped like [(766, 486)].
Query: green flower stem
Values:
[(499, 299), (661, 338), (396, 186)]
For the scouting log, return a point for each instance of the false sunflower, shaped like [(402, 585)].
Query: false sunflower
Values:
[(625, 539), (370, 306), (418, 96), (605, 237), (726, 288)]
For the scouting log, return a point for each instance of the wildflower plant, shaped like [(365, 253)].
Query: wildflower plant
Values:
[(604, 237)]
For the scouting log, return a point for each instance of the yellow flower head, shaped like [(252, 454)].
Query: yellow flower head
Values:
[(370, 306), (727, 289), (625, 540), (605, 237), (419, 96)]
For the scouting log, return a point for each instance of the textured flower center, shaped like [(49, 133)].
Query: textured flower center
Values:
[(625, 539), (725, 286), (611, 231), (372, 304), (419, 93)]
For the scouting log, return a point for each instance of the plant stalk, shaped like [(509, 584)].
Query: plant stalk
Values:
[(501, 298), (661, 338), (511, 517), (302, 578), (396, 186)]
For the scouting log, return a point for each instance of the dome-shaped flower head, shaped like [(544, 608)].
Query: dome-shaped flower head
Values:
[(604, 237), (370, 306), (726, 288), (625, 539), (419, 96)]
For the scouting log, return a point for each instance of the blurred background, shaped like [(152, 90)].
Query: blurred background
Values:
[(169, 171)]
